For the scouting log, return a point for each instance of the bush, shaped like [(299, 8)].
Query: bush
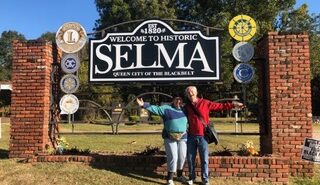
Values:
[(155, 118), (134, 118)]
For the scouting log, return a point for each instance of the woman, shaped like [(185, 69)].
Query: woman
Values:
[(174, 135)]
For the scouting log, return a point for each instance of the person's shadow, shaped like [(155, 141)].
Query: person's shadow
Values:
[(4, 154), (133, 166)]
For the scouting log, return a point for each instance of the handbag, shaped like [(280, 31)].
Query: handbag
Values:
[(210, 134), (175, 136)]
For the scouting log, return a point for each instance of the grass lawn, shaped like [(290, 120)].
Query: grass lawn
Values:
[(12, 172), (137, 142)]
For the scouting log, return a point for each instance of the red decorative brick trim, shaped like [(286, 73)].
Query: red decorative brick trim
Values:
[(255, 169)]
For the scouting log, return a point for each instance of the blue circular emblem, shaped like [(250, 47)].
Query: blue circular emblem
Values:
[(69, 83), (70, 63), (243, 73)]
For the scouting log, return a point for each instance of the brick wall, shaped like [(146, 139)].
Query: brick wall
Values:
[(254, 169), (288, 97), (30, 100), (286, 109)]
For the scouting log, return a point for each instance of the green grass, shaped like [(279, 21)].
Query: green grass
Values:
[(134, 142), (13, 172)]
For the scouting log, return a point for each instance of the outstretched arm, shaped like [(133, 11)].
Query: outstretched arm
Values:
[(225, 106)]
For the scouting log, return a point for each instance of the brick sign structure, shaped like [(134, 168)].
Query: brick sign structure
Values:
[(30, 98), (285, 108)]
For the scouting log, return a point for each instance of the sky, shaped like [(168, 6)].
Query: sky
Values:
[(32, 18)]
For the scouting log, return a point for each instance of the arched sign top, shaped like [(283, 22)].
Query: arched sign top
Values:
[(154, 52), (207, 28)]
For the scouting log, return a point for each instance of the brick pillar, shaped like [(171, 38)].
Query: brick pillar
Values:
[(30, 101), (289, 114)]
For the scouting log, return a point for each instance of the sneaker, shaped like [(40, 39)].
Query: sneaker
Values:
[(190, 182), (170, 182), (182, 179), (205, 183)]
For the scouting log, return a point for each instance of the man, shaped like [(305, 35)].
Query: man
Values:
[(202, 107), (174, 135)]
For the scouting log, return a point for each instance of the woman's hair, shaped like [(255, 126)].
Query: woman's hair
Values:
[(177, 96)]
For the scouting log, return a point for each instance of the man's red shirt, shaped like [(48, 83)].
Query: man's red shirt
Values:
[(204, 107)]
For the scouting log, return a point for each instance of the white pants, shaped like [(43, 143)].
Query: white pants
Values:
[(176, 154)]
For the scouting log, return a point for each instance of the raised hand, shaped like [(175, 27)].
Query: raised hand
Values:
[(140, 101), (238, 105)]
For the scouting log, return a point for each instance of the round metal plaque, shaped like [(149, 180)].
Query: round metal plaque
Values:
[(70, 63), (69, 83), (243, 51), (243, 73), (71, 37), (69, 104), (242, 27)]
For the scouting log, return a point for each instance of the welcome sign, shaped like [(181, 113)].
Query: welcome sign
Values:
[(154, 52)]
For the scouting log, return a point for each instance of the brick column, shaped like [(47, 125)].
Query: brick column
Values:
[(30, 101), (289, 114)]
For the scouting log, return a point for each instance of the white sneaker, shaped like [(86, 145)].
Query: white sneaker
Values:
[(190, 182), (182, 179), (170, 182)]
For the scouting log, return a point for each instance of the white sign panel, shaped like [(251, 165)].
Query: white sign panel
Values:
[(311, 150), (69, 104)]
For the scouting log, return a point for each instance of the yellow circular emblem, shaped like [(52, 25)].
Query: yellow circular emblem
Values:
[(242, 27), (71, 37)]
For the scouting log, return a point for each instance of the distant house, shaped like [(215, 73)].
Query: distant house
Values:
[(5, 86)]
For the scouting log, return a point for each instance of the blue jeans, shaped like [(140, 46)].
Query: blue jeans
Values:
[(195, 143)]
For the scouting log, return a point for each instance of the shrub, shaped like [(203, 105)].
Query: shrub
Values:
[(134, 118), (149, 151), (155, 118), (247, 149), (224, 152)]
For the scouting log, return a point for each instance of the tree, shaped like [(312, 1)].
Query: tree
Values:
[(216, 13), (48, 36), (298, 21), (117, 11), (6, 62), (6, 53)]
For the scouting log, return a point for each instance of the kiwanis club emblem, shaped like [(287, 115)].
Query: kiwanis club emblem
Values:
[(71, 37), (70, 63)]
